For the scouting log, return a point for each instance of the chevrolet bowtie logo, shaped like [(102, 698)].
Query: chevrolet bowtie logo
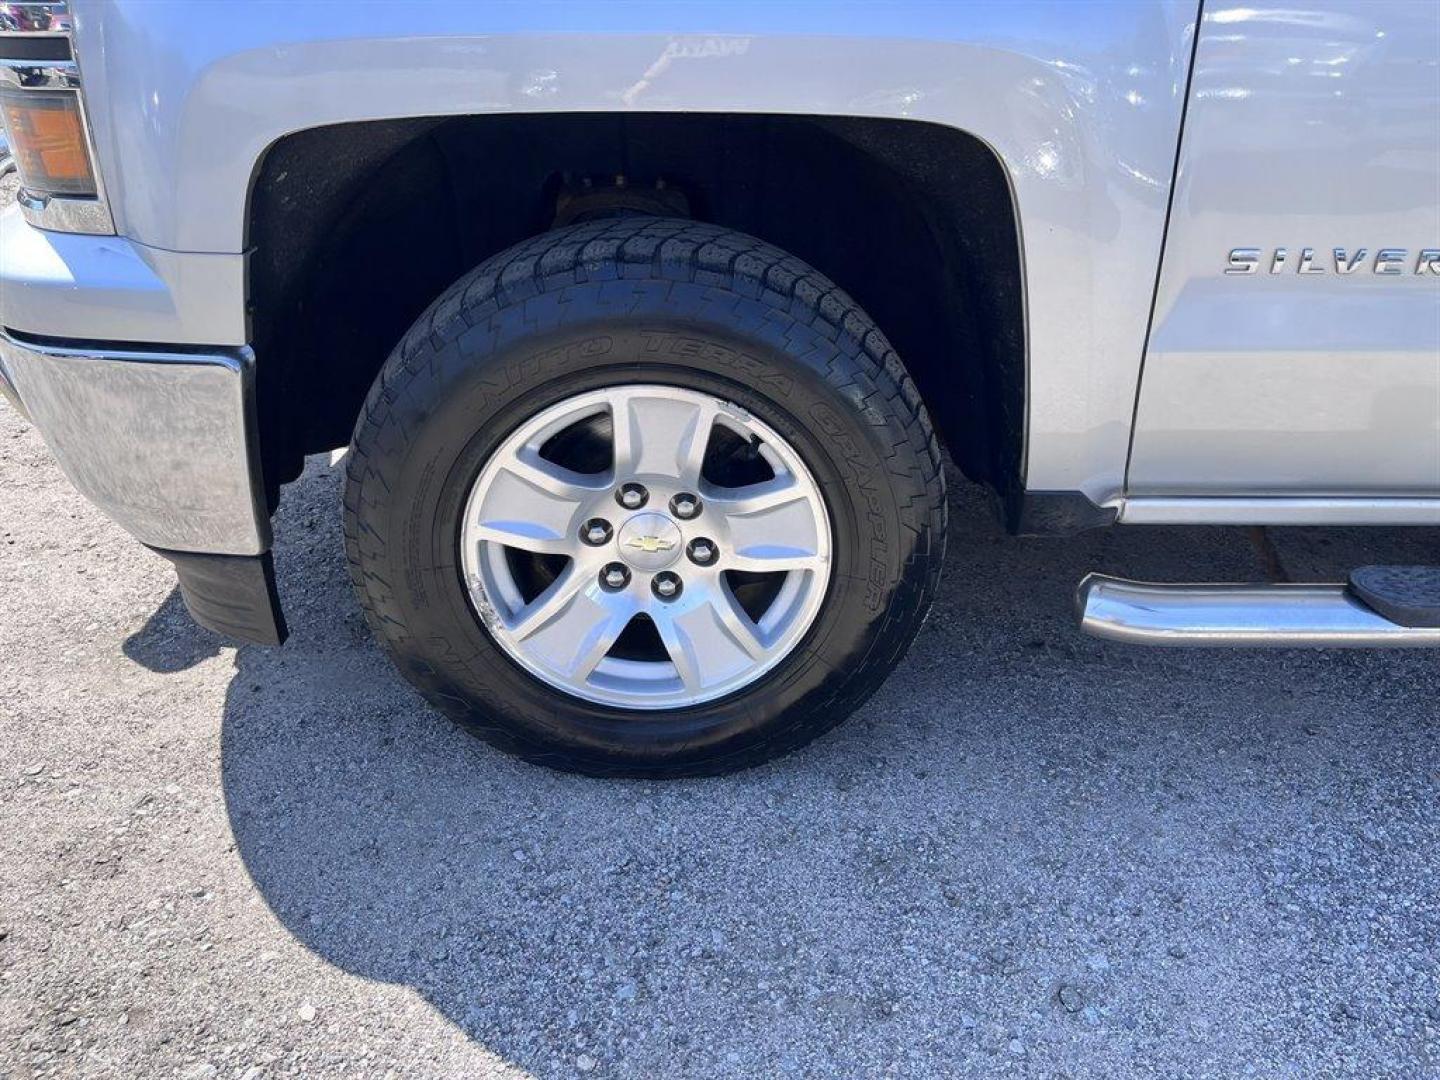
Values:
[(649, 544)]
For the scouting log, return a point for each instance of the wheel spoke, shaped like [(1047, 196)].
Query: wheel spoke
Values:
[(538, 614), (707, 644), (532, 504), (661, 436), (554, 480), (773, 525), (736, 622), (682, 653), (575, 629), (525, 535), (755, 498), (596, 645), (773, 560)]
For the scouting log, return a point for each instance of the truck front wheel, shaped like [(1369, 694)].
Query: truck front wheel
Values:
[(645, 497)]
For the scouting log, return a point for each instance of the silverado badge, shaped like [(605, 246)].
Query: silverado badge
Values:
[(1386, 261)]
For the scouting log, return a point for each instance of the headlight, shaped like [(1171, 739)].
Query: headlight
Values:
[(43, 115), (47, 137)]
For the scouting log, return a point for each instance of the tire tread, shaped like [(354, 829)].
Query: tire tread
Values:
[(864, 369)]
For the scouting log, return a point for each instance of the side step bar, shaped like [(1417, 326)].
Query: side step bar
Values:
[(1288, 616)]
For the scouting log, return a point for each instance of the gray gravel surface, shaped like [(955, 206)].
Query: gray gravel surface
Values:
[(1031, 854)]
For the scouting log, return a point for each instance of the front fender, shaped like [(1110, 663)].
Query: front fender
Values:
[(1080, 101)]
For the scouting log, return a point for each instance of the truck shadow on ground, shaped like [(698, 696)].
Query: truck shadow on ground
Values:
[(170, 640), (1171, 839)]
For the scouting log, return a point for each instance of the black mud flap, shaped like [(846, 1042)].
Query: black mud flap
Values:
[(1055, 513), (233, 595)]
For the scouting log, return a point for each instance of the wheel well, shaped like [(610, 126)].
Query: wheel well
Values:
[(355, 228)]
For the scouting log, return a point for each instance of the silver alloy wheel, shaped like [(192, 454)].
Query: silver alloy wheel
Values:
[(525, 504)]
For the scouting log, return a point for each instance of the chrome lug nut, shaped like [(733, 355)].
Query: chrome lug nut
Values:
[(632, 496), (685, 506), (666, 585), (614, 577), (702, 552), (595, 532)]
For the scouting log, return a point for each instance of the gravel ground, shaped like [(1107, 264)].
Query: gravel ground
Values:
[(1031, 854)]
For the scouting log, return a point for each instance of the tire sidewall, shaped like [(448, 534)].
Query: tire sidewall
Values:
[(460, 403)]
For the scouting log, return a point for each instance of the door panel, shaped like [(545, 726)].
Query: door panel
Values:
[(1310, 125)]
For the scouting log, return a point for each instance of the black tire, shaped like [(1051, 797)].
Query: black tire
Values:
[(585, 307)]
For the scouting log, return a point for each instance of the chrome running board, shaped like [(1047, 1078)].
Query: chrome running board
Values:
[(1287, 616)]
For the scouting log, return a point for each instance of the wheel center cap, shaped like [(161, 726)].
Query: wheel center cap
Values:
[(649, 541)]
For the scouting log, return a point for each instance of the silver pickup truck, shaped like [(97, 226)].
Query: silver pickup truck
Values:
[(645, 324)]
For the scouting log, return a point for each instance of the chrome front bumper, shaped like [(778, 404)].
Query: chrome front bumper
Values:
[(162, 441), (7, 389)]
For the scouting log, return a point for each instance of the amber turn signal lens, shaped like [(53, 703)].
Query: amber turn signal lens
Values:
[(47, 138)]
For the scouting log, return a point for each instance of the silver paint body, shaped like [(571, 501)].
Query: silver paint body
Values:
[(1310, 125), (1304, 128)]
